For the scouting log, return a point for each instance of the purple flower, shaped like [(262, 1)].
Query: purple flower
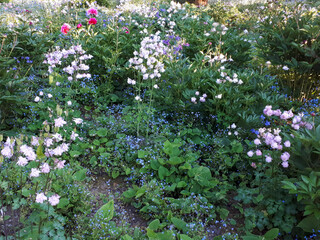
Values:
[(285, 156)]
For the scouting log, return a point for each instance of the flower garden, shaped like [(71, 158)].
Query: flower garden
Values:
[(159, 120)]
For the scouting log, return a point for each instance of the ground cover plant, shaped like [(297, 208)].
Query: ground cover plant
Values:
[(159, 120)]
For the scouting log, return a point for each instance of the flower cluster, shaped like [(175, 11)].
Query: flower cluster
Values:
[(201, 99), (271, 138), (148, 59), (77, 69)]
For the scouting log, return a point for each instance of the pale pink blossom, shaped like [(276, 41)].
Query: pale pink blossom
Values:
[(45, 168), (258, 152), (78, 120), (59, 122), (54, 199), (250, 153), (7, 152), (41, 198), (268, 159), (287, 143), (285, 164), (35, 172), (285, 156), (22, 161)]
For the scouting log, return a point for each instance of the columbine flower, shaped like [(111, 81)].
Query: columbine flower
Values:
[(54, 200), (74, 135), (7, 152), (138, 98), (285, 164), (285, 68), (37, 99), (258, 152), (233, 126), (65, 28), (34, 141), (257, 141), (40, 93), (69, 103), (268, 159), (22, 161), (285, 156), (60, 164), (92, 21), (41, 198), (49, 95), (78, 120), (250, 153), (59, 122), (202, 99), (35, 172), (45, 168)]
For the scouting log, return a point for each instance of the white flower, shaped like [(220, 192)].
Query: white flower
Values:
[(59, 122), (156, 86), (35, 172), (69, 103), (219, 96), (37, 99), (285, 68), (49, 95), (22, 161), (194, 100), (233, 126), (54, 199), (40, 93), (78, 120), (41, 198), (138, 98)]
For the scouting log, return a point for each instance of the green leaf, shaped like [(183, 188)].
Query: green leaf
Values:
[(178, 223), (309, 224), (26, 192), (142, 153), (102, 132), (154, 225), (175, 160), (163, 172), (289, 185), (40, 153), (115, 174), (106, 211), (75, 153), (80, 175), (126, 237), (63, 203), (272, 234), (130, 193), (184, 237)]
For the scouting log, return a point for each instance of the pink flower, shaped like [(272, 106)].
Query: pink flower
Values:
[(250, 153), (7, 152), (268, 111), (59, 122), (41, 198), (35, 172), (127, 30), (268, 159), (253, 165), (60, 164), (287, 143), (54, 200), (257, 141), (45, 168), (92, 11), (22, 161), (79, 25), (65, 28), (92, 21), (285, 164), (34, 141), (258, 152), (285, 156), (78, 120)]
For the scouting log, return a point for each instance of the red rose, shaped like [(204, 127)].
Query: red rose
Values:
[(92, 21)]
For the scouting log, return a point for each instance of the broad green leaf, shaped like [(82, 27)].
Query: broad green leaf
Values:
[(178, 223), (80, 175), (63, 203), (154, 225), (106, 211), (309, 224), (272, 234), (102, 132)]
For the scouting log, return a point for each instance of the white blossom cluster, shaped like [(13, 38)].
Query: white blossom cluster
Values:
[(75, 69)]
